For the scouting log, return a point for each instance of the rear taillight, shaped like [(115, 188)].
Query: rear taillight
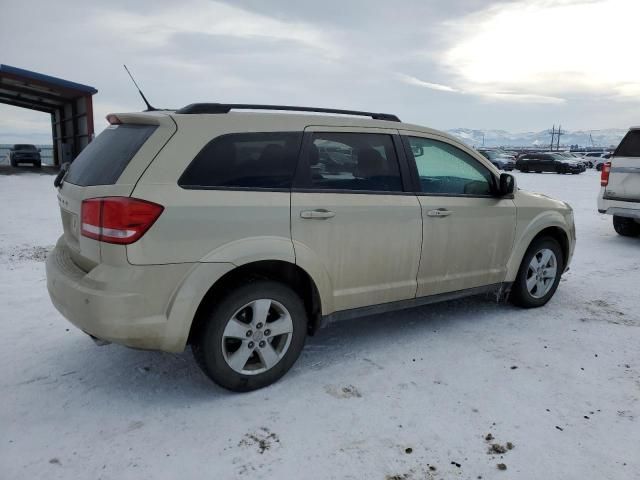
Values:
[(120, 220), (604, 176)]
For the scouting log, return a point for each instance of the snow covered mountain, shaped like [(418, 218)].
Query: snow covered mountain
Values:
[(495, 138)]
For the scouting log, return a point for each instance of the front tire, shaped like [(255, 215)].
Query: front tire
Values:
[(539, 274), (627, 227), (252, 337)]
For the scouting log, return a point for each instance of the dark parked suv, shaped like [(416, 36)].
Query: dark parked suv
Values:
[(499, 159), (548, 162), (23, 153)]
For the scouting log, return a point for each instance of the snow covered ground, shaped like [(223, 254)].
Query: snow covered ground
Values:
[(408, 395)]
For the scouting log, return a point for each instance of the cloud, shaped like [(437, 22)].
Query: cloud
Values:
[(420, 62), (521, 97), (156, 28), (409, 80), (544, 49), (487, 95)]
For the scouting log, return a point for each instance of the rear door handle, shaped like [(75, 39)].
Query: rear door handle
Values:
[(439, 212), (318, 214)]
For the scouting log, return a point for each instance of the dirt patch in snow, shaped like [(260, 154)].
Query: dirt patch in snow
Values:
[(602, 310), (348, 391), (26, 253), (415, 474), (263, 439)]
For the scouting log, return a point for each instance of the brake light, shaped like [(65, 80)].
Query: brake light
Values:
[(120, 220), (604, 176)]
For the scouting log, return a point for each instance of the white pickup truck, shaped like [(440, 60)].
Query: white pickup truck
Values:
[(620, 185)]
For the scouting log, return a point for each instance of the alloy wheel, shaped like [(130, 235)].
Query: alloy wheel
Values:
[(257, 336), (541, 273)]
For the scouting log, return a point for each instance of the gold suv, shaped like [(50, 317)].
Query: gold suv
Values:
[(241, 232)]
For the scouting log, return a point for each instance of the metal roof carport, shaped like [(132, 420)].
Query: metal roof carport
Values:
[(70, 105)]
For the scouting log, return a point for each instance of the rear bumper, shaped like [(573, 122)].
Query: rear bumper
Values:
[(619, 208), (125, 304)]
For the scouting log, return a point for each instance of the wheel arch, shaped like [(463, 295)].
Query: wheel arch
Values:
[(281, 271), (557, 231)]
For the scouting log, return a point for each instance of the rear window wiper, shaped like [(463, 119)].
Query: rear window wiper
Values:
[(61, 174)]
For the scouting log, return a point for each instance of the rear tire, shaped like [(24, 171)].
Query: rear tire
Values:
[(244, 323), (538, 280), (627, 227)]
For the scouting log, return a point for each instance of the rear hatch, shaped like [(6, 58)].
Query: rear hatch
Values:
[(109, 166), (624, 177)]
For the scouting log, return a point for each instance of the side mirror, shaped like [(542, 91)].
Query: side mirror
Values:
[(507, 184)]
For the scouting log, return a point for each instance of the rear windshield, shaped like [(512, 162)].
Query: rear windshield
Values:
[(104, 159), (24, 147), (630, 145)]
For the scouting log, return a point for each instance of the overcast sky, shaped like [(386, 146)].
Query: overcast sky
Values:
[(486, 64)]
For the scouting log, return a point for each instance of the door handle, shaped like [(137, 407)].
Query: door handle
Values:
[(318, 214), (439, 212)]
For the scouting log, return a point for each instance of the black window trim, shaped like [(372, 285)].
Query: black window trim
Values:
[(403, 167), (417, 187), (237, 188)]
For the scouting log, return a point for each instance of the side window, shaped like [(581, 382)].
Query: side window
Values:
[(630, 145), (351, 161), (246, 160), (445, 169)]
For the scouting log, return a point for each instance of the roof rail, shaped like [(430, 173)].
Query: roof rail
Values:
[(226, 107)]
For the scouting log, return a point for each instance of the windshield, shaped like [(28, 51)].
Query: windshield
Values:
[(24, 147)]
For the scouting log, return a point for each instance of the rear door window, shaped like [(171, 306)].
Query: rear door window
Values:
[(351, 162), (105, 158), (245, 160), (630, 145)]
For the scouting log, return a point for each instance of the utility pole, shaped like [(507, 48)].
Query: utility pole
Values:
[(558, 133)]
